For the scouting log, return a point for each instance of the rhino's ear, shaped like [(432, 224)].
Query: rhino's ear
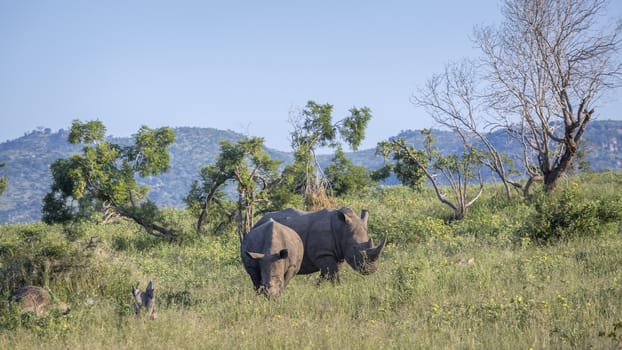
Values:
[(344, 214), (150, 289), (283, 254), (255, 256)]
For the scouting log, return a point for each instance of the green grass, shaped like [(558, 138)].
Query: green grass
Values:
[(515, 294)]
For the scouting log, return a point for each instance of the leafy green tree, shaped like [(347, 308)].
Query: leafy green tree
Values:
[(407, 163), (458, 171), (314, 129), (244, 164), (103, 177), (2, 179), (345, 177)]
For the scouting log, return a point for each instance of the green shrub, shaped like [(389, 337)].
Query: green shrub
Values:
[(39, 254), (563, 215)]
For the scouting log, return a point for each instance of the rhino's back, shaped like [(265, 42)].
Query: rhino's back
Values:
[(38, 300), (257, 238), (284, 237), (32, 299), (314, 229), (302, 222), (270, 235), (31, 294)]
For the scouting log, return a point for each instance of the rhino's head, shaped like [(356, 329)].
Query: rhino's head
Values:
[(63, 308), (358, 249), (273, 268)]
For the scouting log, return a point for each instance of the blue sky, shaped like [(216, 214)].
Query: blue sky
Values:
[(235, 65)]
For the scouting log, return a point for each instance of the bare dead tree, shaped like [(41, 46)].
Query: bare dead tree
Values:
[(548, 64), (453, 101)]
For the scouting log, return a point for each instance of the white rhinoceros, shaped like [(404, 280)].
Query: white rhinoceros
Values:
[(37, 300), (329, 237), (272, 255)]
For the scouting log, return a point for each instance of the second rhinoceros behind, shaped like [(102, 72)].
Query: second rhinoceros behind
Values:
[(37, 300), (329, 237), (272, 255)]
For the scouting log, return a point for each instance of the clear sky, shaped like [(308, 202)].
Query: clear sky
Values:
[(234, 65)]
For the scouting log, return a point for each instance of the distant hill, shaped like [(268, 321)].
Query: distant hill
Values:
[(28, 159)]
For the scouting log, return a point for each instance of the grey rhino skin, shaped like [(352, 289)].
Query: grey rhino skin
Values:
[(272, 255), (37, 300), (329, 237)]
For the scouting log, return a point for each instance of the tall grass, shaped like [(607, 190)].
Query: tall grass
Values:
[(477, 283)]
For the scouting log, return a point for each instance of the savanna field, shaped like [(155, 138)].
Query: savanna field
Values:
[(543, 273)]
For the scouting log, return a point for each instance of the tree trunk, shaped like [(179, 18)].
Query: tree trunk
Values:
[(150, 227)]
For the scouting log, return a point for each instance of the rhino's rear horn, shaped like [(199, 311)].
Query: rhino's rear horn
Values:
[(374, 253), (364, 216)]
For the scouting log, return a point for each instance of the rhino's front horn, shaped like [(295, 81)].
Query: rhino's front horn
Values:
[(374, 253)]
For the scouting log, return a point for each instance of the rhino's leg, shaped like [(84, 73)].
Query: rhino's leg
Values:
[(329, 269)]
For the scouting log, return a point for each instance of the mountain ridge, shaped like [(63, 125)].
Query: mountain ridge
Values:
[(28, 159)]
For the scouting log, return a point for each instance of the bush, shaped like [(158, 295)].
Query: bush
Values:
[(564, 215), (39, 254)]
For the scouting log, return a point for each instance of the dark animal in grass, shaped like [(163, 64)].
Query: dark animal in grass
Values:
[(37, 300), (146, 300), (272, 254), (330, 237)]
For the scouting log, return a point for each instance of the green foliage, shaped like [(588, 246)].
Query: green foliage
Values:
[(148, 155), (51, 326), (2, 180), (103, 176), (567, 215), (316, 129), (345, 177), (286, 190), (38, 254), (405, 168), (91, 132), (458, 171), (313, 129), (352, 128), (244, 164)]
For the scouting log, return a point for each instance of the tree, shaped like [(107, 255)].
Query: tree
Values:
[(2, 180), (345, 177), (406, 163), (548, 64), (103, 177), (244, 164), (313, 129), (453, 100), (458, 172)]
